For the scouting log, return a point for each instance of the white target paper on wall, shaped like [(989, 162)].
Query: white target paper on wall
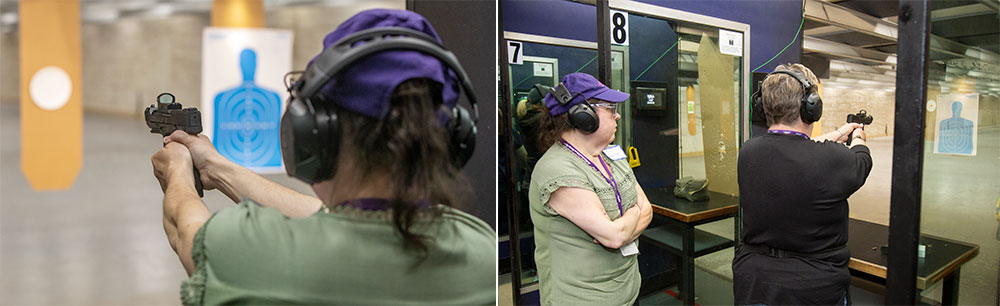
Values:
[(243, 94), (956, 125)]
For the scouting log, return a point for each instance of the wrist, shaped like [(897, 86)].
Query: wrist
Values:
[(223, 173), (180, 172), (180, 180)]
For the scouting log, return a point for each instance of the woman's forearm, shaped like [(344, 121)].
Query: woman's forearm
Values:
[(183, 214), (645, 215), (584, 208), (239, 183), (624, 226)]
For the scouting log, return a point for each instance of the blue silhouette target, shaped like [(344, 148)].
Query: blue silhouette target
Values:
[(956, 132), (247, 118)]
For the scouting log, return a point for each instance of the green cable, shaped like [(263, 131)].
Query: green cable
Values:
[(786, 46), (522, 81), (657, 60), (587, 64), (750, 90)]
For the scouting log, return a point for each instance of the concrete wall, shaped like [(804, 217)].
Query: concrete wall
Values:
[(838, 102), (127, 63), (311, 23), (9, 67)]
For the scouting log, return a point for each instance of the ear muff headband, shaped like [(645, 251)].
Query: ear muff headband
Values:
[(581, 116), (335, 58), (810, 105), (309, 130)]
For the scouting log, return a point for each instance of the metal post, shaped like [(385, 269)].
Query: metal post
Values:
[(949, 292), (687, 266), (515, 241), (908, 151), (603, 41)]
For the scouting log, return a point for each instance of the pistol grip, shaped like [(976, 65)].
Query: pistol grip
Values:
[(197, 182)]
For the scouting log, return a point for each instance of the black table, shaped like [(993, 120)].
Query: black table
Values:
[(681, 237), (943, 258)]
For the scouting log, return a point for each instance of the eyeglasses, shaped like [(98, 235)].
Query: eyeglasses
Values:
[(613, 107)]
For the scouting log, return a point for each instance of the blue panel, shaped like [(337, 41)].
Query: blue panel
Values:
[(773, 24), (531, 298), (648, 45), (562, 19), (570, 60)]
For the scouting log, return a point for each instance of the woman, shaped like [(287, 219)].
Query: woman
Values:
[(586, 205), (383, 229)]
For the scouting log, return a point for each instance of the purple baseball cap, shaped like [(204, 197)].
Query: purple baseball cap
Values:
[(366, 86), (583, 87)]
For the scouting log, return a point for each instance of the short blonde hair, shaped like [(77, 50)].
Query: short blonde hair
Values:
[(782, 94)]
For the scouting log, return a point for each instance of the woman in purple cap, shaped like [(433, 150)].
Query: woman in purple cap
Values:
[(376, 140), (586, 204)]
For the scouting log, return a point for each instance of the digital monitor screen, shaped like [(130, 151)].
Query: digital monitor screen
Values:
[(650, 98)]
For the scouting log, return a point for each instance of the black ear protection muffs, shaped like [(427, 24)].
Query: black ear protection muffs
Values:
[(581, 116), (537, 93), (811, 106), (310, 133)]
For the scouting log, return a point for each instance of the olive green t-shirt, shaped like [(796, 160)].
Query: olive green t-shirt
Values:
[(249, 254), (572, 269)]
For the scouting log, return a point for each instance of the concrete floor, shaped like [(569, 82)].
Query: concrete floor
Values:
[(100, 242)]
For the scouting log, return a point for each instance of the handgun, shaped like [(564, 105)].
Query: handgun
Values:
[(167, 116), (862, 117)]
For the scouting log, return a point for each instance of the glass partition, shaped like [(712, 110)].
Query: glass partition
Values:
[(544, 64), (960, 200), (684, 120), (681, 64)]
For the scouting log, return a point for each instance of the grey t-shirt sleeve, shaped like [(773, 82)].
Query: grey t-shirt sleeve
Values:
[(556, 172)]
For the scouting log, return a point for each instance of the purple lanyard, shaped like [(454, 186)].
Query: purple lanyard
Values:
[(787, 132), (618, 196), (376, 204)]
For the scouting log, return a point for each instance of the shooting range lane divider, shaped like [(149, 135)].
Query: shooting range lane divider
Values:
[(692, 117), (237, 14), (51, 107)]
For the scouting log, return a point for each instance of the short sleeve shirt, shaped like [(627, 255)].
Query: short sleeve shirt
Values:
[(249, 254), (572, 269)]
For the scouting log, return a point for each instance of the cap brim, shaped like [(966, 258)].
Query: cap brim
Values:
[(611, 95)]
